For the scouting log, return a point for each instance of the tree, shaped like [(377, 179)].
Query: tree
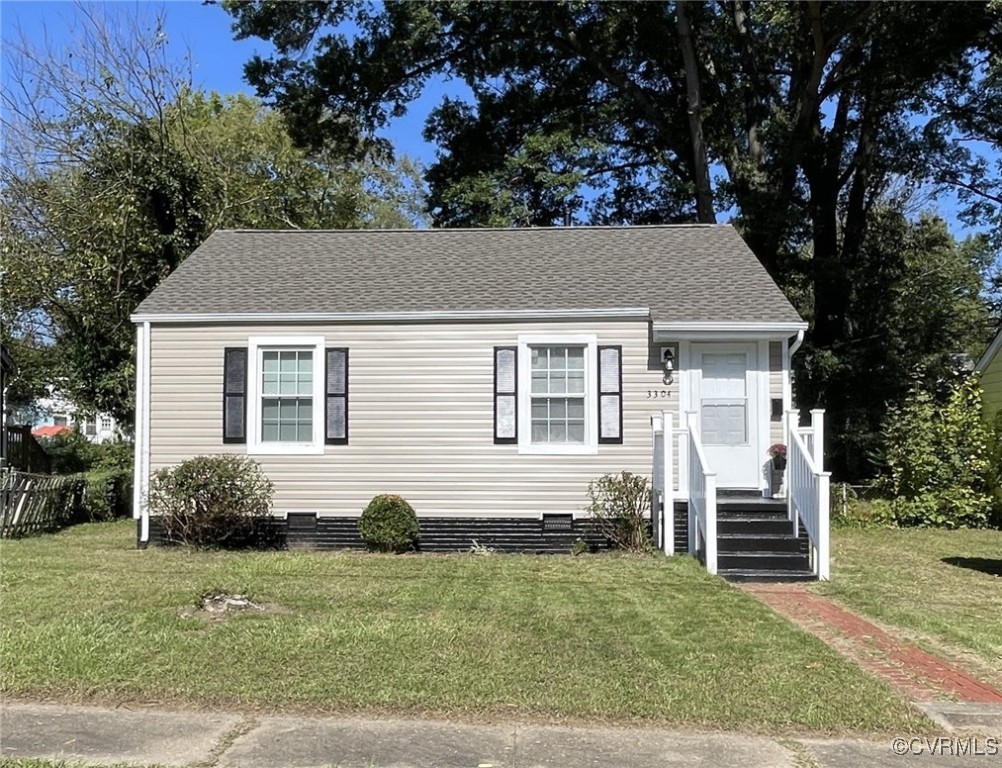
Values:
[(116, 169), (808, 115)]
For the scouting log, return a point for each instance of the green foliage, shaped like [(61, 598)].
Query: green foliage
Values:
[(389, 524), (938, 465), (68, 451), (618, 505), (107, 494), (210, 501), (822, 119), (852, 509), (124, 172)]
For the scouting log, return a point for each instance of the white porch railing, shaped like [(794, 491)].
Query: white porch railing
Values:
[(702, 498), (808, 485), (693, 482)]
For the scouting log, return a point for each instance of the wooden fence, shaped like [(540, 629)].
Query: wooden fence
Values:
[(35, 503), (24, 452)]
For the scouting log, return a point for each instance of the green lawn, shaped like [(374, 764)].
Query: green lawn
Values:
[(942, 588), (592, 638)]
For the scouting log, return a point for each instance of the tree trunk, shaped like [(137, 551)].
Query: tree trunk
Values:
[(700, 166)]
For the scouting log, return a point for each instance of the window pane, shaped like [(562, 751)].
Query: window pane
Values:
[(575, 432), (558, 408), (575, 358), (306, 362), (270, 362), (287, 432), (305, 384), (539, 409), (270, 384), (539, 432), (575, 382), (305, 432), (558, 432), (269, 433), (539, 358), (269, 409), (539, 382), (305, 410), (575, 409)]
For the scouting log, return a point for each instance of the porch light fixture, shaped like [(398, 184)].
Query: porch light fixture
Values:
[(668, 361)]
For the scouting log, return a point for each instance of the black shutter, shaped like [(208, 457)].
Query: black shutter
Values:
[(610, 394), (505, 395), (336, 395), (235, 395)]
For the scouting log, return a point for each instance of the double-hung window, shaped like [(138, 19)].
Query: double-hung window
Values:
[(557, 395), (286, 408), (557, 398)]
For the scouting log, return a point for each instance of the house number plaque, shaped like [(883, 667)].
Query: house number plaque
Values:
[(653, 394)]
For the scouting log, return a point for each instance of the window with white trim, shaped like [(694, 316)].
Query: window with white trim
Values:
[(557, 398), (286, 413), (557, 395)]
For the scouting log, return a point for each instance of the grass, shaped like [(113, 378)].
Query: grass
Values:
[(558, 638), (936, 585)]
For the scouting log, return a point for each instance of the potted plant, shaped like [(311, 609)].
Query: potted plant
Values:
[(778, 453)]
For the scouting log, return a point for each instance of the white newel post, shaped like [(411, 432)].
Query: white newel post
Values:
[(823, 552), (693, 526), (668, 498), (792, 418)]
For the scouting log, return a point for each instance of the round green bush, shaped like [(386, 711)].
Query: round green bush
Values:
[(210, 501), (389, 524)]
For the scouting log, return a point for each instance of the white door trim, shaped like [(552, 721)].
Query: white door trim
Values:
[(758, 401)]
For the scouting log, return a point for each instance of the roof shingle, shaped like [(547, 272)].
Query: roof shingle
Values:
[(682, 273)]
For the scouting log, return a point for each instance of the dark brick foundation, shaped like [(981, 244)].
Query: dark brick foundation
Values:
[(438, 534)]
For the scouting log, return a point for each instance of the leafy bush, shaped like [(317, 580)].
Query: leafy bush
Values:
[(938, 459), (858, 507), (71, 452), (618, 505), (107, 494), (210, 501), (389, 524)]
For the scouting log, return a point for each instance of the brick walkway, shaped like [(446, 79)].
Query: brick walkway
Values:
[(918, 675)]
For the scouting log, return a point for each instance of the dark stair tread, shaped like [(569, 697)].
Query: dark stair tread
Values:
[(748, 575)]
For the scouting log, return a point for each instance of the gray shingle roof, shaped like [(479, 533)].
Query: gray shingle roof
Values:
[(697, 273)]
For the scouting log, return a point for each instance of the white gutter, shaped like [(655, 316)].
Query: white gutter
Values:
[(730, 327), (796, 345), (391, 317)]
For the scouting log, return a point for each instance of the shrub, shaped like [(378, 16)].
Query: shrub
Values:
[(107, 494), (210, 501), (938, 459), (618, 505), (66, 451), (389, 524)]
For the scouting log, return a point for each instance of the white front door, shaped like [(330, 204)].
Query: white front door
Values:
[(726, 400)]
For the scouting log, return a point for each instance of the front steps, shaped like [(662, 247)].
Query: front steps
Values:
[(755, 542)]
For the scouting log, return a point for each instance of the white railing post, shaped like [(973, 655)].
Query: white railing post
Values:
[(657, 484), (823, 549), (689, 417), (792, 480), (668, 497), (818, 438), (710, 507)]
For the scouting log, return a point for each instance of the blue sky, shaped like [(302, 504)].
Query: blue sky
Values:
[(218, 63)]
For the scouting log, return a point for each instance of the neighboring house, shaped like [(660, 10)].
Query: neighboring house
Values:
[(990, 369), (7, 368), (59, 412), (485, 375), (51, 431)]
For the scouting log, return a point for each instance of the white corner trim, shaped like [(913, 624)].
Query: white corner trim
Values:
[(990, 353), (393, 317), (141, 480), (255, 346), (524, 388)]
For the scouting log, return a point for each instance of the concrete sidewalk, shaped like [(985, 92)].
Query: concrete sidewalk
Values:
[(98, 736)]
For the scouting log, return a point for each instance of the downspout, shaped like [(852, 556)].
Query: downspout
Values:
[(796, 345)]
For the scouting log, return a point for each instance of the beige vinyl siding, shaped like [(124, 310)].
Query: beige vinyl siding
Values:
[(991, 383), (775, 389), (420, 418)]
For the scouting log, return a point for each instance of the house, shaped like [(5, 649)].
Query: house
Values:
[(989, 367), (60, 415), (485, 375)]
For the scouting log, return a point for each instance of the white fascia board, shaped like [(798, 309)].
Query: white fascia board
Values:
[(395, 317), (720, 330), (992, 350)]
